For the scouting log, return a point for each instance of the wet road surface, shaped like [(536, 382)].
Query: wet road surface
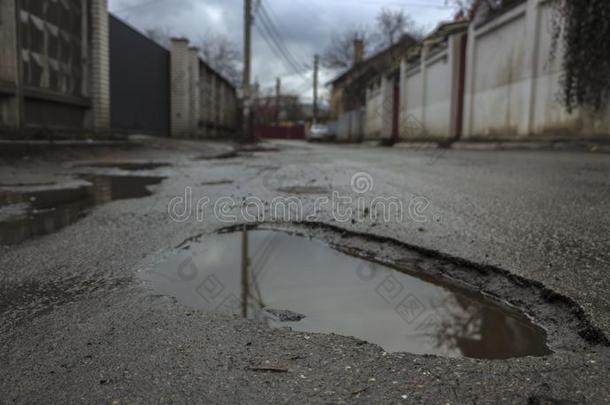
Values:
[(34, 211), (77, 323)]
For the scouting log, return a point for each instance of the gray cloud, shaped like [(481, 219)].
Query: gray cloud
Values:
[(305, 26)]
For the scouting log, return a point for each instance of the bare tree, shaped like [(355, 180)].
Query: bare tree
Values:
[(392, 25), (465, 9), (339, 53), (216, 50), (222, 54)]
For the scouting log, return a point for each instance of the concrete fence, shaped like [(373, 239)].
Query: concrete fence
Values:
[(513, 84), (351, 126), (432, 87), (492, 78), (382, 100), (203, 103)]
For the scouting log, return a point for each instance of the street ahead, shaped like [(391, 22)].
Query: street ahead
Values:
[(78, 323)]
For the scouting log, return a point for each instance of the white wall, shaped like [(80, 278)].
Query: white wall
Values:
[(437, 96), (549, 114), (374, 112), (512, 85), (428, 88), (380, 108), (497, 78), (412, 103), (351, 126)]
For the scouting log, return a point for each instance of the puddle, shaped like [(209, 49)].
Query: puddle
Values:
[(336, 293), (217, 183), (222, 156), (50, 183), (128, 166), (34, 212), (243, 151), (112, 188), (305, 190), (259, 148)]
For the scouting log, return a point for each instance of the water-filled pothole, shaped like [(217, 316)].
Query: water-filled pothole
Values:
[(276, 276), (32, 211), (127, 166)]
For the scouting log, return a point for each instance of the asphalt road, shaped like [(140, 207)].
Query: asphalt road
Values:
[(77, 324)]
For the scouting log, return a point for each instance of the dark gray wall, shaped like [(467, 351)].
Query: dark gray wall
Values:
[(139, 81)]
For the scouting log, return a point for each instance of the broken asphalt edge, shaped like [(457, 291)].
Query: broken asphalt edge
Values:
[(567, 325)]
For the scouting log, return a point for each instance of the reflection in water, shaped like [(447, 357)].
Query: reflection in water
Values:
[(43, 211), (483, 331), (341, 294)]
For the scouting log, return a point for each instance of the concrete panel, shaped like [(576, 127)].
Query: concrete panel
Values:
[(437, 114), (550, 117), (180, 85), (514, 86), (374, 113), (412, 113), (499, 85)]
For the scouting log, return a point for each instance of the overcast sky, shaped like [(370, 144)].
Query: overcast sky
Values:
[(305, 26)]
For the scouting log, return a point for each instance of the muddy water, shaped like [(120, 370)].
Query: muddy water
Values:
[(260, 274), (34, 212)]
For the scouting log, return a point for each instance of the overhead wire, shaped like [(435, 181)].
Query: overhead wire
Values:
[(270, 34), (274, 23)]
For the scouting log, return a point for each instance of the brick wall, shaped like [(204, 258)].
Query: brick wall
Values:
[(180, 93), (203, 103), (194, 84)]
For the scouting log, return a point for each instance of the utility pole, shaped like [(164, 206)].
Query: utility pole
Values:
[(316, 61), (247, 67), (278, 95)]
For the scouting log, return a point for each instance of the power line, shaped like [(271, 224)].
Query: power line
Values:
[(277, 38), (280, 46), (273, 48), (277, 48), (275, 22)]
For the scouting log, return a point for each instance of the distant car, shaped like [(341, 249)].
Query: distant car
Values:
[(319, 133)]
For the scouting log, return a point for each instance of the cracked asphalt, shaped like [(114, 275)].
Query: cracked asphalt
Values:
[(77, 324)]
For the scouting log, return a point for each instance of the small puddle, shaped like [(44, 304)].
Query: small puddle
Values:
[(222, 156), (305, 190), (279, 277), (259, 148), (128, 166), (34, 212)]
